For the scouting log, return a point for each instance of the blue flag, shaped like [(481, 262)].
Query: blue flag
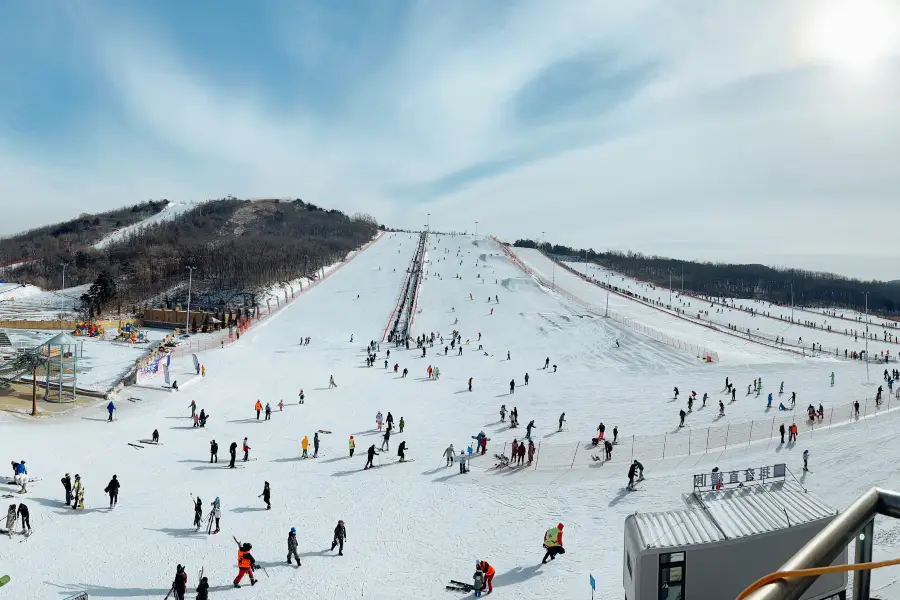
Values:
[(593, 583)]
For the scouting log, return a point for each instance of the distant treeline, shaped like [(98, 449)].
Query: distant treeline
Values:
[(810, 288), (237, 248)]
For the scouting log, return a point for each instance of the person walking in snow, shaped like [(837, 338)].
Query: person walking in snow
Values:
[(402, 424), (232, 450), (372, 453), (526, 378), (292, 546), (449, 454), (268, 412), (10, 519), (266, 495), (562, 419), (112, 488), (386, 440), (179, 584), (26, 520), (304, 445), (340, 534), (67, 485), (258, 408), (352, 446), (246, 565), (316, 445), (246, 450), (553, 543), (110, 408)]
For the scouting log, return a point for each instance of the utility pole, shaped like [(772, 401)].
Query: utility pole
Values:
[(585, 265), (62, 297), (670, 289), (187, 320), (34, 390), (607, 292), (428, 223), (682, 280), (867, 336), (792, 302), (476, 228)]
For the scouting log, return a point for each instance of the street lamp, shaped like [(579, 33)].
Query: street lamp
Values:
[(62, 297), (187, 320), (476, 228), (428, 223), (867, 336)]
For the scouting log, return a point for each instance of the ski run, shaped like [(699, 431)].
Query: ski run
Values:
[(445, 507)]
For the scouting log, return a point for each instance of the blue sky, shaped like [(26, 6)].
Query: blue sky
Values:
[(754, 132)]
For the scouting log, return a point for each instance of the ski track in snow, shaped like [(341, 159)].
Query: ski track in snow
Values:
[(411, 527)]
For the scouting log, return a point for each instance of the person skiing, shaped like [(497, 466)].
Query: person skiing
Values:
[(386, 440), (268, 411), (470, 384), (781, 431), (502, 413), (615, 434), (607, 445), (110, 408), (304, 444), (331, 383), (401, 451), (477, 580), (10, 519), (179, 585), (636, 468), (372, 453), (352, 445), (213, 451), (26, 521), (340, 534), (280, 405), (292, 546), (489, 572), (553, 543), (203, 589), (233, 451), (449, 454), (316, 445), (721, 408), (198, 513), (562, 419), (67, 485), (512, 386), (246, 450), (266, 495), (246, 565), (112, 488), (202, 418), (601, 430), (258, 408), (378, 420), (805, 461), (402, 424), (681, 414), (76, 491), (155, 436), (528, 429), (215, 513)]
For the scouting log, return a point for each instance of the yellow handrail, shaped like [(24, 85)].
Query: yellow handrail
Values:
[(815, 572)]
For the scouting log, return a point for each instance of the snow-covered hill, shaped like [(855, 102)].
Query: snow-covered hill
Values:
[(170, 212), (411, 526)]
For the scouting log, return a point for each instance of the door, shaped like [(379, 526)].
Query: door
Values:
[(671, 576)]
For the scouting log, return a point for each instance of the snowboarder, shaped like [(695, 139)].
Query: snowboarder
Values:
[(67, 485), (214, 452), (562, 419), (352, 444), (246, 450), (233, 451), (316, 445), (401, 451), (340, 534), (292, 546), (179, 585), (266, 495), (112, 488), (553, 543), (246, 564), (372, 453), (26, 521), (110, 408), (449, 454), (682, 414)]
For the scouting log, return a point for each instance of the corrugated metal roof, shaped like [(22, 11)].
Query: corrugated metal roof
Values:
[(733, 513)]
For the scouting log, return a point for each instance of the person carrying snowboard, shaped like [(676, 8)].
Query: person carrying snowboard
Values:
[(112, 488), (266, 495), (340, 534), (292, 546), (246, 564), (179, 585), (553, 543), (76, 491)]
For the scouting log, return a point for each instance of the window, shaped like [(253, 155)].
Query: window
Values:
[(671, 576)]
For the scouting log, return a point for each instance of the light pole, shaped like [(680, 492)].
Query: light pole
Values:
[(670, 289), (607, 292), (187, 320), (867, 336), (476, 228), (62, 296), (428, 223), (543, 237), (792, 302)]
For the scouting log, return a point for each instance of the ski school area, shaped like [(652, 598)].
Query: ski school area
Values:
[(448, 341)]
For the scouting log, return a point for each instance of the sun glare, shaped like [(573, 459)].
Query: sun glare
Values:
[(855, 33)]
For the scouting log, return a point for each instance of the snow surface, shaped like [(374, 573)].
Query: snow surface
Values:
[(170, 212), (414, 526), (31, 303)]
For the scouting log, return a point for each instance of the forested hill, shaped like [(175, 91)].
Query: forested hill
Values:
[(810, 288), (237, 248)]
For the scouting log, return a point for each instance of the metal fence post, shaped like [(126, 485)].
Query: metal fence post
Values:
[(751, 433), (665, 440), (538, 456), (727, 431), (573, 456), (706, 449), (772, 432)]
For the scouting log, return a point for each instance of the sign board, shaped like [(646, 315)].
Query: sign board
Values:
[(739, 478)]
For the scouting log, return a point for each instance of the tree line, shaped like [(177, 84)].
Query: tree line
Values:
[(771, 284)]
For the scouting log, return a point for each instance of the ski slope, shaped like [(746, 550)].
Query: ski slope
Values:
[(169, 213), (411, 526)]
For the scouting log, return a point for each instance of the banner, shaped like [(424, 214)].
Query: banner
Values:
[(149, 371), (196, 363), (166, 373)]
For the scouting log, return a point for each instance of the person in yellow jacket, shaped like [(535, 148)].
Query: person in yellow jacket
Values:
[(352, 446), (305, 445), (553, 543), (258, 408)]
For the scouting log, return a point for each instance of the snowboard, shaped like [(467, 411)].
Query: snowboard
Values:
[(4, 580)]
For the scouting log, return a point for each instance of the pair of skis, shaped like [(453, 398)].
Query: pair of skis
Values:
[(459, 586)]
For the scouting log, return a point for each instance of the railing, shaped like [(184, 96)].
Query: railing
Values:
[(688, 441), (700, 352)]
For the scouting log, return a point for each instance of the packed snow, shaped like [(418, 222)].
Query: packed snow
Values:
[(169, 213), (414, 526)]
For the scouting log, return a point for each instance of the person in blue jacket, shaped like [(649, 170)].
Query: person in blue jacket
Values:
[(21, 475), (110, 408)]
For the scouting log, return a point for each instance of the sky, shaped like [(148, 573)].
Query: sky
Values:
[(729, 131)]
